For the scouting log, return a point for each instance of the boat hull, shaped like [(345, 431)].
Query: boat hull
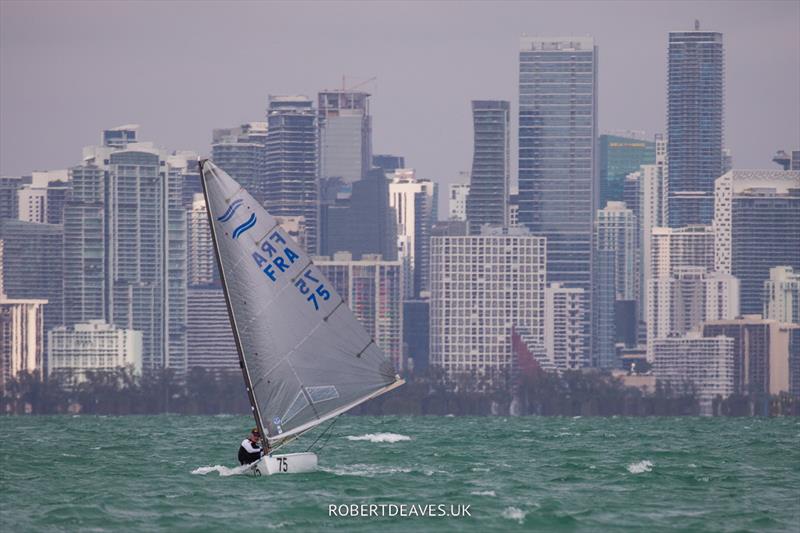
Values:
[(290, 463)]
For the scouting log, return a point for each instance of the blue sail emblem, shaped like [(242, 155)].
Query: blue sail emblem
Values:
[(227, 215), (244, 226)]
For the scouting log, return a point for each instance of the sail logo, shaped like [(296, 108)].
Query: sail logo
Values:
[(244, 226), (227, 215)]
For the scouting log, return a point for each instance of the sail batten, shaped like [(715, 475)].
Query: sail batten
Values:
[(305, 356)]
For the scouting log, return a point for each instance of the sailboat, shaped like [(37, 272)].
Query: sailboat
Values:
[(304, 356)]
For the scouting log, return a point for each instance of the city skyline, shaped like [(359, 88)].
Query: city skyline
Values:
[(632, 79)]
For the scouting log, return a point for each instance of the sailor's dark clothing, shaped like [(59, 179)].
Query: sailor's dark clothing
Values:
[(249, 452)]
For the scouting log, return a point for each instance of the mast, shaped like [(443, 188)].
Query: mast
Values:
[(242, 362)]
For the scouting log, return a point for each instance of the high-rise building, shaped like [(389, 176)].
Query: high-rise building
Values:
[(32, 265), (782, 295), (85, 245), (21, 337), (241, 153), (705, 364), (619, 156), (414, 202), (673, 248), (9, 202), (345, 134), (482, 287), (201, 265), (457, 201), (373, 289), (127, 245), (120, 137), (209, 337), (682, 301), (416, 333), (557, 134), (760, 352), (291, 185), (695, 104), (389, 163), (615, 231), (788, 161), (32, 203), (652, 204), (361, 221), (616, 276), (487, 202), (757, 227), (94, 346), (566, 332)]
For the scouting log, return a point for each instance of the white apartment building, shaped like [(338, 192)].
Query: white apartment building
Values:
[(566, 334), (21, 336), (782, 295), (673, 248), (705, 364), (373, 289), (692, 295), (92, 346), (482, 286), (457, 201), (201, 262), (412, 200)]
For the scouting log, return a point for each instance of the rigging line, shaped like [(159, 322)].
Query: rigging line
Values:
[(321, 435)]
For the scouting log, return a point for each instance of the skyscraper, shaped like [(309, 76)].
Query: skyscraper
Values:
[(482, 287), (32, 264), (695, 102), (361, 223), (241, 153), (201, 265), (291, 185), (85, 245), (756, 227), (127, 246), (557, 133), (414, 204), (389, 163), (616, 276), (21, 337), (566, 326), (691, 295), (373, 289), (457, 201), (209, 337), (619, 156), (487, 202), (782, 295), (345, 134)]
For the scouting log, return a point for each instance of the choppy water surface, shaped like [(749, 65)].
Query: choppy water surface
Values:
[(548, 474)]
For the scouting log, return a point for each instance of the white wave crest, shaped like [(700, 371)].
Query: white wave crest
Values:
[(483, 493), (380, 437), (640, 467), (223, 471), (514, 513), (365, 470)]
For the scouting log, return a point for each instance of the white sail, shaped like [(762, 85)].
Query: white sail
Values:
[(305, 357)]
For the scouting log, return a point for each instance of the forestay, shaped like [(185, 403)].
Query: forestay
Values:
[(307, 358)]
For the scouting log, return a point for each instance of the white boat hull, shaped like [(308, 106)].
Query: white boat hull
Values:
[(290, 463)]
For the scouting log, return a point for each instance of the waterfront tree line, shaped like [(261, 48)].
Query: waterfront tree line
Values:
[(574, 393)]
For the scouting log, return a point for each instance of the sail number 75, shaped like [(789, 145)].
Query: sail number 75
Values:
[(305, 283)]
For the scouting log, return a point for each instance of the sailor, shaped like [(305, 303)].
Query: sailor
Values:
[(250, 451)]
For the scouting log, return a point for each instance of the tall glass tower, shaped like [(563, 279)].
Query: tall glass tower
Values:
[(557, 132), (695, 85), (487, 202), (290, 181)]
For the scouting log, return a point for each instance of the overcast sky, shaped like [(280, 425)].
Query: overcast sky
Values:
[(70, 69)]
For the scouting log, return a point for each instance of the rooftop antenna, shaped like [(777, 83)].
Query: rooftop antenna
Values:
[(696, 25)]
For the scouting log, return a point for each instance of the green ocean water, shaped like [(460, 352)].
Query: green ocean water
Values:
[(145, 473)]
